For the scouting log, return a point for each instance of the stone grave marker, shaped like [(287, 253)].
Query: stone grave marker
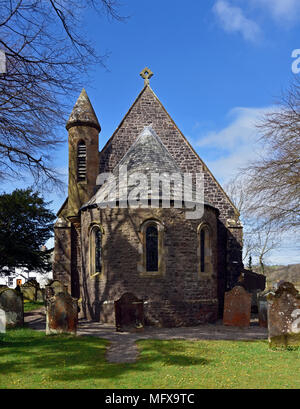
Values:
[(55, 287), (253, 283), (129, 313), (237, 307), (284, 316), (262, 310), (31, 291), (2, 321), (11, 301), (61, 314)]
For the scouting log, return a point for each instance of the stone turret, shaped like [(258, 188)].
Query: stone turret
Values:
[(83, 113), (83, 128)]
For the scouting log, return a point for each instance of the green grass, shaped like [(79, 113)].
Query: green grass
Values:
[(30, 359), (31, 305)]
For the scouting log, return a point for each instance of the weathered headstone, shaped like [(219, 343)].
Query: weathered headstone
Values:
[(129, 312), (40, 295), (262, 310), (61, 314), (31, 291), (55, 287), (11, 302), (253, 283), (2, 321), (237, 307), (284, 316)]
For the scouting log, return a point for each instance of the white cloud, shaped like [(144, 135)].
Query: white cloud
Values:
[(241, 130), (225, 168), (233, 20), (235, 144), (232, 15), (280, 10)]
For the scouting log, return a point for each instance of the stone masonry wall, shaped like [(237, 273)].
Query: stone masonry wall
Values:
[(147, 110), (180, 296)]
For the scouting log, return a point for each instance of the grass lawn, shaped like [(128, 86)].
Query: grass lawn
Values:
[(31, 305), (30, 359)]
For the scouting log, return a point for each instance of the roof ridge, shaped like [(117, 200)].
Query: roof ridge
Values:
[(135, 143), (188, 143), (205, 168)]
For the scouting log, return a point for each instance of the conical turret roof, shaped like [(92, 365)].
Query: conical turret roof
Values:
[(83, 113), (146, 158)]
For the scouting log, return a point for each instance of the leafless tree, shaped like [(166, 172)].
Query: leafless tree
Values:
[(237, 191), (47, 57), (274, 178), (266, 240), (260, 235)]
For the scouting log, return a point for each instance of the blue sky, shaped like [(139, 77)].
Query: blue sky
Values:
[(218, 65)]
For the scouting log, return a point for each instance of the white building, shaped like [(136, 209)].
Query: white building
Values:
[(22, 275)]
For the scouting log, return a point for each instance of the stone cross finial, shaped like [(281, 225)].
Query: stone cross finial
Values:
[(146, 74)]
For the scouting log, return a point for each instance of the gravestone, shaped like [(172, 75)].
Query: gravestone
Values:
[(237, 307), (61, 314), (284, 316), (262, 310), (253, 283), (55, 287), (2, 321), (11, 301), (129, 313), (31, 291)]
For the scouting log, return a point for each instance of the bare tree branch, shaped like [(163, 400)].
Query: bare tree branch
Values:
[(274, 179), (48, 55), (260, 235)]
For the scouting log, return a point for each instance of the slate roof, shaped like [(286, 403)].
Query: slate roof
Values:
[(83, 113), (146, 156)]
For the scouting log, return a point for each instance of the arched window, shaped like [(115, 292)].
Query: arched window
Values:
[(152, 248), (205, 249), (96, 262), (203, 233), (81, 161), (152, 254)]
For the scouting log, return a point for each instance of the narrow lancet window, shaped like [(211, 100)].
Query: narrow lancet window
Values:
[(202, 251), (152, 248), (96, 251), (205, 250), (81, 161)]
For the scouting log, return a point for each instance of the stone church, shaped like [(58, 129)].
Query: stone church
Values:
[(180, 267)]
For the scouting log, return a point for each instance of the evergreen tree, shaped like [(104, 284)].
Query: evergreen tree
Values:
[(25, 225)]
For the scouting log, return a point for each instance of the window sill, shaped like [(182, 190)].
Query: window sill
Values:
[(95, 275), (152, 274)]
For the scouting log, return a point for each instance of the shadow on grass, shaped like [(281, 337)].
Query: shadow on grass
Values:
[(172, 352), (67, 358)]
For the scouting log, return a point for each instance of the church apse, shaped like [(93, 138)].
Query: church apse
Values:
[(180, 268)]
